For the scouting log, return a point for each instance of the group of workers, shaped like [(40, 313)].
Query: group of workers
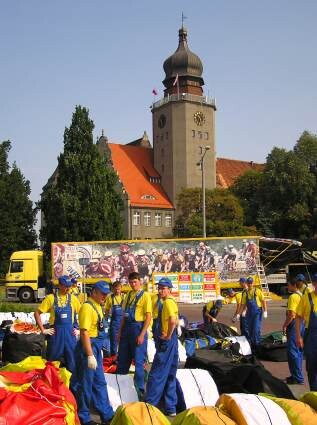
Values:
[(77, 332)]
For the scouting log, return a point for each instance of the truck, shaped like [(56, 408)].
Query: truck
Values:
[(196, 266)]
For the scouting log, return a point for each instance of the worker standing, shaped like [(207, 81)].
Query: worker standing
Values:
[(162, 378), (253, 300), (243, 320), (63, 308), (211, 310), (307, 312), (137, 308), (294, 353), (88, 380), (113, 307), (301, 284)]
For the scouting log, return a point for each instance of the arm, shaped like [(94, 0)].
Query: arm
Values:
[(289, 318), (146, 324), (37, 317), (213, 319), (172, 323), (85, 340), (299, 339)]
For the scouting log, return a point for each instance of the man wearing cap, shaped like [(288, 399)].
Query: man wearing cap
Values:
[(162, 378), (63, 308), (212, 309), (88, 381), (301, 284), (137, 316), (113, 307), (243, 321), (294, 353), (307, 312), (253, 300)]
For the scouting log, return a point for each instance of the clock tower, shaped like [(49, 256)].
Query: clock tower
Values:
[(184, 124)]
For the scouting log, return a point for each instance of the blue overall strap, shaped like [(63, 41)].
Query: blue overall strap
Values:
[(100, 319), (135, 301), (113, 297)]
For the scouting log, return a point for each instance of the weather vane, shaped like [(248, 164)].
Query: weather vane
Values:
[(183, 19)]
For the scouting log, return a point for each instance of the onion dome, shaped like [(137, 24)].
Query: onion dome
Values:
[(183, 63)]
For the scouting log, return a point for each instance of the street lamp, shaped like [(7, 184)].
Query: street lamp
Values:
[(201, 163)]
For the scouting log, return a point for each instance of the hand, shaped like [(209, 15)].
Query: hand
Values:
[(76, 332), (265, 314), (140, 339), (213, 320), (92, 362), (237, 316), (300, 342), (49, 331), (284, 330)]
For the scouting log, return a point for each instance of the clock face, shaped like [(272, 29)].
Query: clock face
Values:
[(199, 118), (162, 121)]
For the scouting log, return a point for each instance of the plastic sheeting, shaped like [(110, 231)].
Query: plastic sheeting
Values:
[(139, 414), (245, 349), (151, 351), (23, 317), (121, 389), (202, 416), (251, 409), (198, 387)]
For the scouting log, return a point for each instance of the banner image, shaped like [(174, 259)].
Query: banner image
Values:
[(197, 259)]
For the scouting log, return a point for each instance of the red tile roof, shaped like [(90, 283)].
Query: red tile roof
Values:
[(134, 165), (228, 170)]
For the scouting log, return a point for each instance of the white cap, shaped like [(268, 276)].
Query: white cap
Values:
[(141, 252), (108, 254)]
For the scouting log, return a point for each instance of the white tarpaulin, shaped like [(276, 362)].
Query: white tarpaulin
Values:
[(121, 389)]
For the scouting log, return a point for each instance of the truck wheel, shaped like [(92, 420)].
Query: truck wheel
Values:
[(26, 295)]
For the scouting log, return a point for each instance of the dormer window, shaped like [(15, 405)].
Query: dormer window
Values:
[(147, 197)]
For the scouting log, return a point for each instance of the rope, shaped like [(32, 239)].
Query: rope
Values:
[(219, 416), (44, 398), (264, 408), (119, 388), (202, 398), (148, 410)]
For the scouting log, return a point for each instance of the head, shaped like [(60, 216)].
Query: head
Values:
[(108, 255), (314, 281), (134, 281), (64, 284), (141, 253), (124, 250), (218, 303), (249, 282), (300, 280), (243, 282), (99, 291), (231, 293), (164, 287), (116, 287), (230, 247), (291, 286)]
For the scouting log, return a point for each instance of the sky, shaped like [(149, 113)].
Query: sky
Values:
[(259, 59)]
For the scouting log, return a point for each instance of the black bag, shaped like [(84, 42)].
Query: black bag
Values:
[(18, 346), (272, 348), (219, 330), (245, 375)]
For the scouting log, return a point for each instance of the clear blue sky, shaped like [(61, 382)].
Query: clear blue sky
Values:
[(259, 59)]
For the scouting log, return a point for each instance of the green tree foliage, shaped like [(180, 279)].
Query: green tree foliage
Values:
[(80, 201), (224, 214), (16, 210)]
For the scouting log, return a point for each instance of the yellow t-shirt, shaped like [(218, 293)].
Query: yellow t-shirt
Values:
[(47, 305), (88, 317), (303, 309), (74, 291), (110, 301), (210, 305), (155, 306), (305, 289), (238, 297), (143, 306), (293, 301), (170, 309), (259, 297)]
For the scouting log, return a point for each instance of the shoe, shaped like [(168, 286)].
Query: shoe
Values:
[(105, 423), (171, 415), (291, 381), (91, 423)]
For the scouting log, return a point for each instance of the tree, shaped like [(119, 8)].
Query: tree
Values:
[(81, 202), (224, 214), (16, 210)]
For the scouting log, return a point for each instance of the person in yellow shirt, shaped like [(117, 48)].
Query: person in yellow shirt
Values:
[(162, 377), (157, 304), (63, 308), (137, 316), (301, 284), (113, 307), (243, 321), (212, 309), (294, 354), (88, 380), (307, 313), (253, 300)]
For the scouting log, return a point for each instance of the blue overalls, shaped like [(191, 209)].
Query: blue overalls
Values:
[(310, 347), (115, 323), (254, 320), (88, 385), (294, 354), (156, 327), (162, 377), (128, 347), (62, 343), (244, 324)]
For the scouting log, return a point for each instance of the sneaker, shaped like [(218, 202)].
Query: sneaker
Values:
[(291, 381), (171, 415)]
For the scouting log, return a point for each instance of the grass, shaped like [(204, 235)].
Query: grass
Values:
[(8, 307)]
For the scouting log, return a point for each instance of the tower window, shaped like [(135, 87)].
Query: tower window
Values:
[(206, 135), (136, 218), (193, 133), (147, 219), (168, 220)]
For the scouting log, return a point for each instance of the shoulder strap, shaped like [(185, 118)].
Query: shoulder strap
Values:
[(55, 300), (91, 304), (310, 301), (138, 296)]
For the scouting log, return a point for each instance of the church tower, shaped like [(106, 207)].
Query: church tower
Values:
[(184, 124)]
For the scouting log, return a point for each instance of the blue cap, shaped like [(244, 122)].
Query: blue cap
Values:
[(165, 281), (102, 286), (73, 280), (230, 291), (314, 277), (242, 280), (250, 280), (65, 281), (218, 303), (300, 278)]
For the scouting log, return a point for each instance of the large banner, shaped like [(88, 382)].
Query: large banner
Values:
[(230, 258)]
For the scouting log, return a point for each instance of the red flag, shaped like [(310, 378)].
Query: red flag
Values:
[(176, 80), (154, 92)]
